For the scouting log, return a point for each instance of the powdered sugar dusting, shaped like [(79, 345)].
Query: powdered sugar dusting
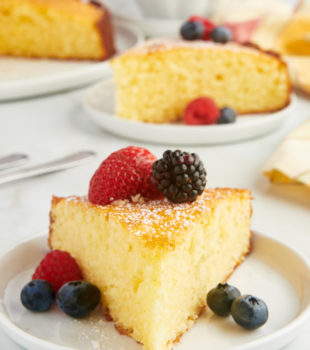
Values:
[(159, 222)]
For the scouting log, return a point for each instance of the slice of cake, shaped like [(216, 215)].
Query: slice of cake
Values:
[(155, 261), (155, 81), (66, 29)]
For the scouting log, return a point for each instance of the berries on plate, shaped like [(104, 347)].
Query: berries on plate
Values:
[(193, 30), (249, 312), (78, 298), (37, 295), (208, 25), (124, 174), (221, 35), (219, 299), (58, 267), (201, 111), (228, 115), (180, 176)]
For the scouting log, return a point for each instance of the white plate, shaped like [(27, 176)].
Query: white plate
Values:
[(274, 272), (99, 103), (21, 78)]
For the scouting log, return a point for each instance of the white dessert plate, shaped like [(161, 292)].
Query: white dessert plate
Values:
[(22, 77), (273, 271), (99, 104)]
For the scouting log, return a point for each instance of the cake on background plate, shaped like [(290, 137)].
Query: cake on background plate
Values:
[(65, 29), (156, 80)]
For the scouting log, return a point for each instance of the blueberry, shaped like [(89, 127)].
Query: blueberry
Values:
[(219, 299), (192, 30), (37, 295), (221, 35), (228, 115), (78, 298), (249, 311)]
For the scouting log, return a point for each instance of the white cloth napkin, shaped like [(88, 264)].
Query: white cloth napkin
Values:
[(291, 161)]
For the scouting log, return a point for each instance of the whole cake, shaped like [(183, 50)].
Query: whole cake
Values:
[(69, 29), (155, 81)]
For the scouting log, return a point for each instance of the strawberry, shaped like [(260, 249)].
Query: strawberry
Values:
[(113, 180), (200, 111), (142, 160), (125, 173)]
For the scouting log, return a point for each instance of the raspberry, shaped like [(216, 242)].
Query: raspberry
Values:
[(57, 268), (142, 160), (208, 25), (202, 110), (114, 179)]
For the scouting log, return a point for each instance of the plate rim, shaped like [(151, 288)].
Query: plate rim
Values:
[(106, 84), (17, 89), (293, 327)]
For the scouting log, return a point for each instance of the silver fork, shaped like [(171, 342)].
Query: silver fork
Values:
[(70, 161), (13, 160)]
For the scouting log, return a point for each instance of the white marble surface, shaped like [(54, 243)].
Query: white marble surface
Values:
[(55, 125)]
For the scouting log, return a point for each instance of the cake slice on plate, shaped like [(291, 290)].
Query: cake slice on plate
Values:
[(154, 262), (156, 80), (65, 29)]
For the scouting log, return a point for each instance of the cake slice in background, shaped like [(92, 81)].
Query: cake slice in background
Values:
[(66, 29), (154, 262), (155, 81)]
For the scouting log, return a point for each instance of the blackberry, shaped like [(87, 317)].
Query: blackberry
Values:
[(180, 176)]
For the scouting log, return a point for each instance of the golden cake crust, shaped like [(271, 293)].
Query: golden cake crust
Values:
[(159, 223)]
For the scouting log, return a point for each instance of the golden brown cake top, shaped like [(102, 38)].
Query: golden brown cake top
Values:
[(73, 7), (167, 44), (161, 222)]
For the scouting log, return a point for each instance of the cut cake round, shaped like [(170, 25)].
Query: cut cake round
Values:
[(155, 81)]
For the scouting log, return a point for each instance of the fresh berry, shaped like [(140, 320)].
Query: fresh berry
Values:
[(180, 176), (58, 267), (124, 174), (249, 312), (142, 160), (192, 30), (228, 115), (219, 299), (114, 179), (208, 25), (78, 298), (221, 35), (201, 111), (37, 295)]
